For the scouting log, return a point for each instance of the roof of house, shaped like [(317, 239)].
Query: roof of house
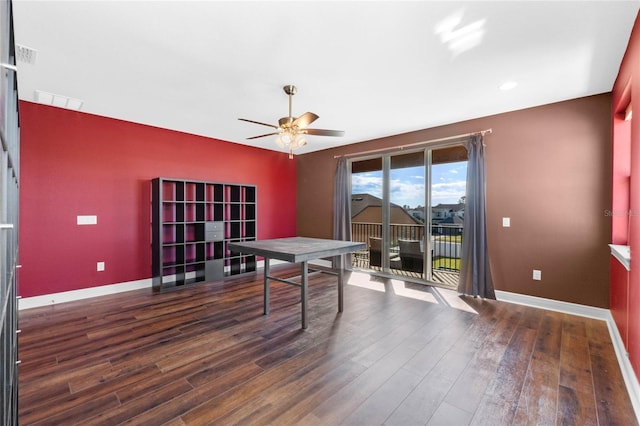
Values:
[(450, 207), (360, 202)]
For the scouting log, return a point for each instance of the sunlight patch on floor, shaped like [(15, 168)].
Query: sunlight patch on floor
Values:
[(365, 280), (401, 288), (452, 298)]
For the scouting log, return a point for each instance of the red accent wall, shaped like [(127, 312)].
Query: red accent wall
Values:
[(619, 303), (627, 87), (74, 164), (621, 180)]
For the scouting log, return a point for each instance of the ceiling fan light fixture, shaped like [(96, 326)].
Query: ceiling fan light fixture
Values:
[(297, 142), (289, 138), (291, 130), (286, 137)]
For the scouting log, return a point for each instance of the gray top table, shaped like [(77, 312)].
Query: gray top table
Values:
[(299, 250)]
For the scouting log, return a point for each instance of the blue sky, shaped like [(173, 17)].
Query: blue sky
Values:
[(407, 185)]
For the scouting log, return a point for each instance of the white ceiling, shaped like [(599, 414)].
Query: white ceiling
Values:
[(372, 69)]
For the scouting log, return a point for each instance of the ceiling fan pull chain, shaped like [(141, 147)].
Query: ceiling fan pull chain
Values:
[(290, 108)]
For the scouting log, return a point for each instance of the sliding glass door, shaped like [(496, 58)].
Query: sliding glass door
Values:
[(408, 208), (407, 213), (448, 173)]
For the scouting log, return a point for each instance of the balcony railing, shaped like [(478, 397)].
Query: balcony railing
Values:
[(446, 242), (361, 232)]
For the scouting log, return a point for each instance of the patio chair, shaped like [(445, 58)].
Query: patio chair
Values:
[(411, 257), (375, 253)]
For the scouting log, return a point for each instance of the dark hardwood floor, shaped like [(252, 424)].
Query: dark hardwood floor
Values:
[(398, 355)]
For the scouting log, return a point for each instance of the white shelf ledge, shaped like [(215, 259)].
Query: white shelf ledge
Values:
[(622, 253)]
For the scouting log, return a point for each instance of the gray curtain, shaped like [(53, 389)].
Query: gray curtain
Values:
[(342, 202), (475, 270)]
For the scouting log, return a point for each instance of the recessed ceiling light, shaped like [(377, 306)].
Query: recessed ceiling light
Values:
[(508, 85)]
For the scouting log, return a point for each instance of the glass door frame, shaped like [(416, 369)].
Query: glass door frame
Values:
[(385, 157)]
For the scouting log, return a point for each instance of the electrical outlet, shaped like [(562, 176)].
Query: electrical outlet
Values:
[(537, 275), (506, 222), (100, 266)]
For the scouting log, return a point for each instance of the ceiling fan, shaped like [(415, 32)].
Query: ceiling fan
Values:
[(291, 130)]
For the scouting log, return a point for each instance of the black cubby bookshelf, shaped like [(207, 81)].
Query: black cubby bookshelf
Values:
[(192, 224)]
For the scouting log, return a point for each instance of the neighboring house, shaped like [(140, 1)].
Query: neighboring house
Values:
[(418, 213), (442, 212), (366, 208)]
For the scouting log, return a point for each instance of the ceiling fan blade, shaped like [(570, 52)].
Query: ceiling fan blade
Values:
[(304, 120), (323, 132), (257, 122), (262, 136)]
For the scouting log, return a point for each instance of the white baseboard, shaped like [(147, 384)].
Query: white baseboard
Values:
[(103, 290), (553, 305), (83, 293), (629, 376)]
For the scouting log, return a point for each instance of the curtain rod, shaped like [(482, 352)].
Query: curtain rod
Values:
[(413, 145)]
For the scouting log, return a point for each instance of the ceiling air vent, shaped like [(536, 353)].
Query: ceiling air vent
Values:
[(26, 54), (60, 101)]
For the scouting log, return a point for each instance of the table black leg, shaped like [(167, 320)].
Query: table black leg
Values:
[(304, 286), (340, 266), (266, 286)]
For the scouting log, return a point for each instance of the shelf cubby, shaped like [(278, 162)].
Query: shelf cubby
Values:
[(234, 210), (250, 230), (250, 195), (235, 192), (250, 212)]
